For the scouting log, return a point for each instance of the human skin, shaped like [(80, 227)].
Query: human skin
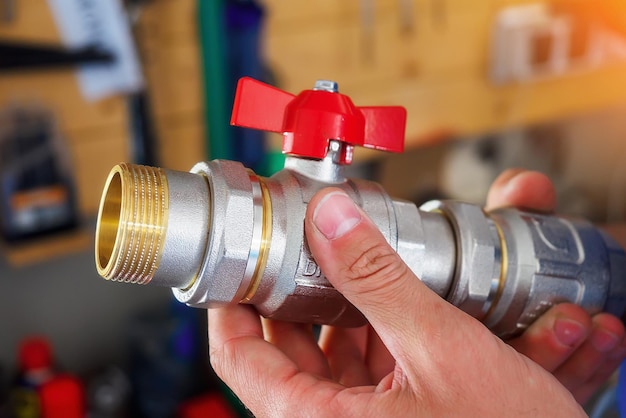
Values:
[(419, 355), (581, 351)]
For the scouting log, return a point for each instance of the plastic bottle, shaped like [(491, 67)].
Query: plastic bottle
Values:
[(39, 391)]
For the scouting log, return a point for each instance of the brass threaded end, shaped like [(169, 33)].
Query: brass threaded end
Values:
[(131, 225)]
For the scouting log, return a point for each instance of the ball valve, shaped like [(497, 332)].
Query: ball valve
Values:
[(220, 234)]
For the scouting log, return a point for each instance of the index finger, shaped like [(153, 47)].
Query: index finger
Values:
[(524, 189), (247, 363)]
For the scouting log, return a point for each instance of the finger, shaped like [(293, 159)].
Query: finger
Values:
[(520, 188), (345, 350), (232, 322), (379, 361), (297, 342), (606, 335), (551, 339), (265, 379), (234, 332), (355, 257), (357, 356), (614, 360)]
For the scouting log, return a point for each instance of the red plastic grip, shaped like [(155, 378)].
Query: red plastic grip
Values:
[(311, 119)]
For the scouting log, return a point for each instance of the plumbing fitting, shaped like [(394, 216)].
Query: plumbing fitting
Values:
[(221, 234)]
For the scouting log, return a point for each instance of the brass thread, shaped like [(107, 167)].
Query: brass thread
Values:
[(504, 271), (266, 238), (131, 224)]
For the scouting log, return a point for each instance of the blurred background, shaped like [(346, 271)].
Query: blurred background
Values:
[(85, 84)]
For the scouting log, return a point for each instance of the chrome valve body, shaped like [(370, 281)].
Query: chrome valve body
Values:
[(230, 236)]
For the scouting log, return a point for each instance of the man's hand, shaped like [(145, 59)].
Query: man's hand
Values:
[(581, 351), (420, 356)]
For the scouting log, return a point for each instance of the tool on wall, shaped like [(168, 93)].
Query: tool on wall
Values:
[(144, 138), (36, 182), (244, 25), (20, 56), (7, 11), (230, 42), (103, 23), (221, 234)]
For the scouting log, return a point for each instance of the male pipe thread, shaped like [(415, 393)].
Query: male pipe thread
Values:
[(143, 229), (132, 224)]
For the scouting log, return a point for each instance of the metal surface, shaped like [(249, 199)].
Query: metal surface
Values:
[(228, 236), (552, 260), (479, 254), (132, 224), (427, 245), (152, 226), (232, 227), (326, 85)]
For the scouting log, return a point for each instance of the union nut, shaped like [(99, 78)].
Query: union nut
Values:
[(156, 226), (479, 266)]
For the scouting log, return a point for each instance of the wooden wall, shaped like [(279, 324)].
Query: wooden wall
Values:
[(96, 132), (430, 56), (435, 64), (168, 41)]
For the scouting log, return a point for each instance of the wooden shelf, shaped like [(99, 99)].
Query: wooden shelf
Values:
[(46, 248)]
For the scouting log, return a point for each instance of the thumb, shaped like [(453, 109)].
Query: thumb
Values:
[(359, 263)]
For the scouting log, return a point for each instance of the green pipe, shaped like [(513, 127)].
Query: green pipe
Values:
[(216, 112)]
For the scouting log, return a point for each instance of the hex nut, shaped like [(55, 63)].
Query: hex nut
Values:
[(479, 262), (230, 235)]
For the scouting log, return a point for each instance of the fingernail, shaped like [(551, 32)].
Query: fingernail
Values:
[(568, 332), (510, 182), (510, 174), (505, 177), (336, 215), (604, 341)]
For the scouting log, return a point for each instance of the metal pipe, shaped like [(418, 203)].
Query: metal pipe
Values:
[(221, 234)]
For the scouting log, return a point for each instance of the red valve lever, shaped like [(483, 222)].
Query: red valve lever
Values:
[(311, 119)]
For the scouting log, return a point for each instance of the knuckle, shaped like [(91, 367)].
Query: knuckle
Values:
[(215, 359), (222, 355), (377, 270)]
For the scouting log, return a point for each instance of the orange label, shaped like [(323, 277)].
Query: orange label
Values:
[(40, 197)]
